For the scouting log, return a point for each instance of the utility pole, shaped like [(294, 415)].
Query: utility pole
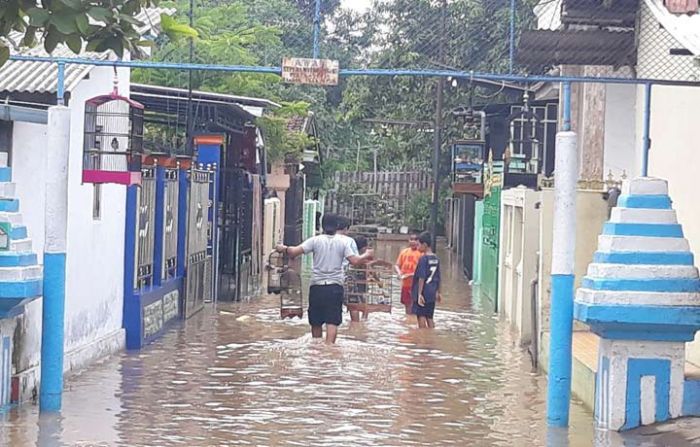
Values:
[(317, 29), (375, 169), (438, 129)]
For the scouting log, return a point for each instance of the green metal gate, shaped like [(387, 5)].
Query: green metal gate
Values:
[(478, 236), (491, 221)]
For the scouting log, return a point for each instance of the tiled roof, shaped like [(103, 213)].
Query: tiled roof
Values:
[(684, 28)]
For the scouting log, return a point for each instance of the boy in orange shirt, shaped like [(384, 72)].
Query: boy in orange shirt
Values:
[(405, 267)]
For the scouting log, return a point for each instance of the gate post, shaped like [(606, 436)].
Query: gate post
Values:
[(182, 212), (56, 226), (158, 230), (132, 321), (563, 249)]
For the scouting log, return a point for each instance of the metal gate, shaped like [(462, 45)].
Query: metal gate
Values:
[(294, 211), (198, 285), (236, 242), (170, 224), (145, 226), (467, 228), (490, 235)]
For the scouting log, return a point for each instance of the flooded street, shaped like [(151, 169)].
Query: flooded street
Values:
[(241, 376)]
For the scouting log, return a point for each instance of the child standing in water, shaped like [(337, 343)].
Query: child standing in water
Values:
[(405, 267), (426, 283)]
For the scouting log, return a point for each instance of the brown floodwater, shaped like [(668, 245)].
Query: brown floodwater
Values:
[(238, 375)]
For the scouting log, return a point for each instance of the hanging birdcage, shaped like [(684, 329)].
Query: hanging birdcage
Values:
[(370, 288), (276, 267), (285, 282), (291, 298), (112, 140)]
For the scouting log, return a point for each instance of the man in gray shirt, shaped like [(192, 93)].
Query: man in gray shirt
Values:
[(327, 276)]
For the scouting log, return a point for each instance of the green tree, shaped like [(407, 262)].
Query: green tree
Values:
[(100, 25)]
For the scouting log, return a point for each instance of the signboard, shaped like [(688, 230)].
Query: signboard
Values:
[(310, 71)]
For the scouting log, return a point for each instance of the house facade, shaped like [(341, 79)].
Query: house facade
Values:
[(96, 213), (626, 39)]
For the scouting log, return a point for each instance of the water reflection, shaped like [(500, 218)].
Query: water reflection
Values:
[(240, 376)]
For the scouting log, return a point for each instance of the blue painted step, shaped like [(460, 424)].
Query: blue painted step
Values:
[(680, 285), (5, 174), (645, 258), (18, 232), (642, 229), (21, 289), (658, 202), (14, 259), (10, 206)]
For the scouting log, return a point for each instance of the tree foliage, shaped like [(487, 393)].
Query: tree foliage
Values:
[(391, 34), (280, 141), (96, 25)]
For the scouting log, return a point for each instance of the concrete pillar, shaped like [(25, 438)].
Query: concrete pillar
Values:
[(56, 218), (563, 255), (642, 297), (279, 181)]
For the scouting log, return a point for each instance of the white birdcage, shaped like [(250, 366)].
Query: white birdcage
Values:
[(370, 288), (285, 282), (112, 140)]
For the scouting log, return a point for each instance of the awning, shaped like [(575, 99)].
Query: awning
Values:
[(9, 112), (577, 47)]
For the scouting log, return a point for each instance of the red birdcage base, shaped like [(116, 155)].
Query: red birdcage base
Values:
[(289, 312), (127, 178)]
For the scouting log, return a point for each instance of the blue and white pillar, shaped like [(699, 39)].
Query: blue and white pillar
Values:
[(642, 297), (56, 218), (562, 306)]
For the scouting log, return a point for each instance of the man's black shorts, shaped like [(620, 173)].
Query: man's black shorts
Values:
[(326, 305), (428, 310)]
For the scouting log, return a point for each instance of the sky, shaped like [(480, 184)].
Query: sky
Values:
[(358, 5)]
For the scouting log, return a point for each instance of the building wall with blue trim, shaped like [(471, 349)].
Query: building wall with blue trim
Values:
[(95, 248)]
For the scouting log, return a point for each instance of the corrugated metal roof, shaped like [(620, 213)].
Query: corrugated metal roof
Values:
[(683, 27), (42, 77), (150, 17), (244, 101)]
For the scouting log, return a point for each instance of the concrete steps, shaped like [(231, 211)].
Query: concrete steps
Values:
[(7, 190), (12, 218), (21, 277), (21, 245), (18, 274)]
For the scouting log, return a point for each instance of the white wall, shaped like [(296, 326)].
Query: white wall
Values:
[(620, 130), (95, 250), (28, 173), (95, 261), (675, 156)]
